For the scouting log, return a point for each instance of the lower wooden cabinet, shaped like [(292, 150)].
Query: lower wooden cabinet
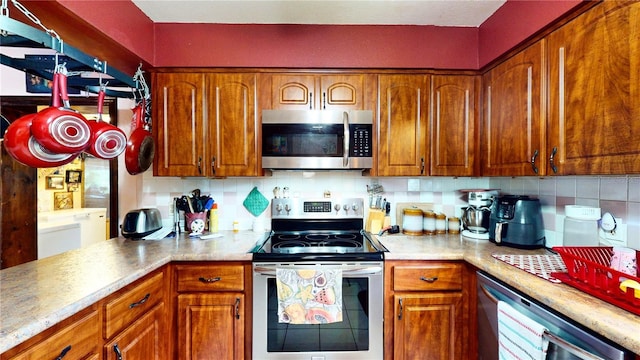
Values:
[(213, 316), (427, 311), (78, 338), (144, 339), (211, 326)]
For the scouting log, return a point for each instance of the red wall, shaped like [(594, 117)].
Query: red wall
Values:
[(305, 46), (300, 46), (120, 20), (515, 21)]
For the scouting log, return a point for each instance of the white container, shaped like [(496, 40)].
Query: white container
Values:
[(581, 226)]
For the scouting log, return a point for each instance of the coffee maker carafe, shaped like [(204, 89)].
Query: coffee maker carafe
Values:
[(475, 217)]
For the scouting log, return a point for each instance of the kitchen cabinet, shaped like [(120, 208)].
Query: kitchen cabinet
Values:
[(212, 315), (135, 324), (205, 124), (427, 310), (453, 135), (594, 92), (513, 130), (403, 126), (78, 337), (305, 91)]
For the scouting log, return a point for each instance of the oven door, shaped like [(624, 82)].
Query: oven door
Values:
[(358, 336)]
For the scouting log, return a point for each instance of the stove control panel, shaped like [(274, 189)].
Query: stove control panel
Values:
[(295, 208)]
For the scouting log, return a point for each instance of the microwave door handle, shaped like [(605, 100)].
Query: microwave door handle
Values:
[(345, 157)]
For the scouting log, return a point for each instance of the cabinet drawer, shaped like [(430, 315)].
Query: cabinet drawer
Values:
[(127, 306), (80, 340), (210, 278), (427, 277)]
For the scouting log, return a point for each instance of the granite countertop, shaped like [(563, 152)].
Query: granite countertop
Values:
[(37, 295)]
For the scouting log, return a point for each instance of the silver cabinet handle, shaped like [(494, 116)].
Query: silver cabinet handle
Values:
[(552, 162), (140, 302), (237, 308), (533, 161), (209, 280)]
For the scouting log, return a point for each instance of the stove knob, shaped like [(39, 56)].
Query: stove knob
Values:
[(279, 208), (336, 207), (346, 208), (355, 207), (287, 207)]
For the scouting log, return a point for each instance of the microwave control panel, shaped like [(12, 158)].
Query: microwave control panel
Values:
[(360, 140)]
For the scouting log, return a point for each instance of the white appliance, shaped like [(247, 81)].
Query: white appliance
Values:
[(475, 217), (64, 230)]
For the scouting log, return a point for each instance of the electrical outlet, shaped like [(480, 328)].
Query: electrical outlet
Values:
[(618, 237)]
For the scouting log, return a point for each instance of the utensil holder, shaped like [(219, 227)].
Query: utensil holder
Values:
[(190, 217)]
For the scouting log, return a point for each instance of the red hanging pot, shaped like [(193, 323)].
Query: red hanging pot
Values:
[(141, 147), (107, 141), (23, 147), (61, 129)]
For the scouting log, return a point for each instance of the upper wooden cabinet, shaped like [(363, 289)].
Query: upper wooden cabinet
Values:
[(403, 127), (454, 106), (205, 124), (513, 132), (319, 91), (594, 92)]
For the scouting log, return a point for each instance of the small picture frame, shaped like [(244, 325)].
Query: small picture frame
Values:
[(54, 183), (73, 176), (62, 200)]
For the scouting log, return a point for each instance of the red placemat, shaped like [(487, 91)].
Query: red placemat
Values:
[(538, 265)]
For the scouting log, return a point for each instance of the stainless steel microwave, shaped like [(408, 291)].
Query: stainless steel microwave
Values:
[(317, 139)]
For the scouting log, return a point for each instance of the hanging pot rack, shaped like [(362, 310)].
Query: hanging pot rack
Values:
[(91, 70)]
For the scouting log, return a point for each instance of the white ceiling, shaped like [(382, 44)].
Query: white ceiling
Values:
[(464, 13)]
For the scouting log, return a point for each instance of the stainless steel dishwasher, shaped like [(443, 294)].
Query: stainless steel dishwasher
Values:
[(567, 340)]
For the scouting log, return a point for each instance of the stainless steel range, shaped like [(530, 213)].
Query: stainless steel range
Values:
[(320, 235)]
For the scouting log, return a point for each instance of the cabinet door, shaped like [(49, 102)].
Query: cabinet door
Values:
[(232, 121), (402, 134), (514, 121), (179, 124), (345, 92), (211, 326), (428, 326), (293, 92), (595, 92), (145, 339), (453, 125)]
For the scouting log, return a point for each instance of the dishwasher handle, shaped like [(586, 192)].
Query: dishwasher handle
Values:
[(573, 349)]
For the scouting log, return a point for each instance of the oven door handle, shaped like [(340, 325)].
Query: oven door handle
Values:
[(367, 270), (345, 156)]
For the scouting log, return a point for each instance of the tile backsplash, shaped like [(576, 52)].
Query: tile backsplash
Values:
[(619, 195)]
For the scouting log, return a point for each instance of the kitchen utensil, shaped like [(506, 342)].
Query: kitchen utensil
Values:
[(255, 202), (107, 141), (61, 129), (141, 147), (23, 147)]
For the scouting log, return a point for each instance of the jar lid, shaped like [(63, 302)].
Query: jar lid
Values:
[(441, 216), (412, 211), (428, 213)]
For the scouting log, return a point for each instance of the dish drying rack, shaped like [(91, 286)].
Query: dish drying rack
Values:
[(588, 270)]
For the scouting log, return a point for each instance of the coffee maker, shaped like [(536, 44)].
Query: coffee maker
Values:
[(516, 221), (475, 217)]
